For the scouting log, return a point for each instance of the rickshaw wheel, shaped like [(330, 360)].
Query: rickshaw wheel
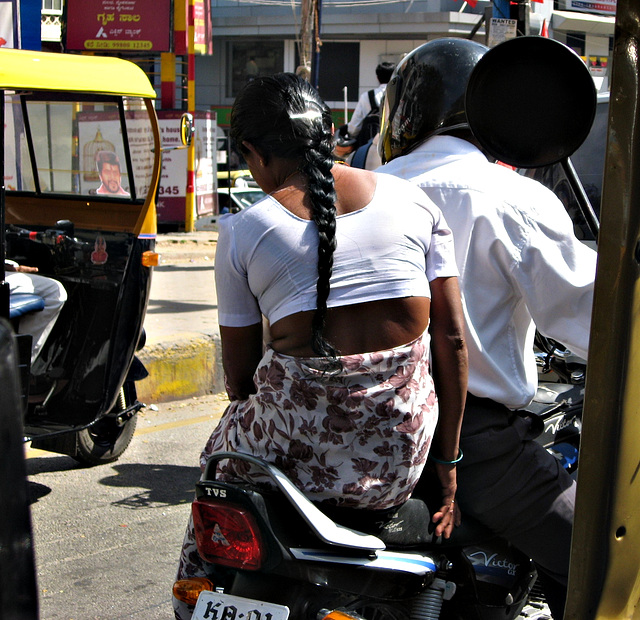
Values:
[(106, 440)]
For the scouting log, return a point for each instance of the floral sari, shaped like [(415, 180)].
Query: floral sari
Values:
[(357, 437)]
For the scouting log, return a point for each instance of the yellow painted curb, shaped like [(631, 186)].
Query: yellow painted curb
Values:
[(181, 370)]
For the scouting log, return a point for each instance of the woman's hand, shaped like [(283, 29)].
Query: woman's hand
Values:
[(448, 516)]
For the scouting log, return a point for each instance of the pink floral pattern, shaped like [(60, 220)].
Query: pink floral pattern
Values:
[(358, 437)]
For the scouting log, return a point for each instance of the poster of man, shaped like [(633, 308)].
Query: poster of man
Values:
[(108, 166)]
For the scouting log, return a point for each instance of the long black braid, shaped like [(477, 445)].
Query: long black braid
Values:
[(284, 115)]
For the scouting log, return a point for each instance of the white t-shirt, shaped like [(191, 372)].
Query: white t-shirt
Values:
[(363, 108), (519, 263), (266, 258)]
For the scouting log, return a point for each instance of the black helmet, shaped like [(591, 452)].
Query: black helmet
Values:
[(425, 95)]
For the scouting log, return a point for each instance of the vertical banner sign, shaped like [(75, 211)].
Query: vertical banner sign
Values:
[(30, 24), (8, 24), (202, 40), (119, 25), (172, 189), (202, 28)]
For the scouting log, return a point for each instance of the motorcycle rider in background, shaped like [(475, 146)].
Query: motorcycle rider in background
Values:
[(521, 266)]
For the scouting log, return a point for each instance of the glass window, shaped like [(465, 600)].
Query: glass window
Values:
[(248, 60), (52, 7), (78, 147), (140, 139), (339, 67), (17, 168)]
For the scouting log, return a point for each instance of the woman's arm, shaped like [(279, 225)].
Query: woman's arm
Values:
[(241, 352), (450, 368)]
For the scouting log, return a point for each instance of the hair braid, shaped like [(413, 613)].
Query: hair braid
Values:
[(317, 168)]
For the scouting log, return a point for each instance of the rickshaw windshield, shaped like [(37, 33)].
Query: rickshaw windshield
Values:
[(91, 145)]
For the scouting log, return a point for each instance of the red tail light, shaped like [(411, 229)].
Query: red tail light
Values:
[(227, 535)]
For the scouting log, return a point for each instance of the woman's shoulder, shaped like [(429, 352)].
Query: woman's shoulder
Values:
[(259, 214)]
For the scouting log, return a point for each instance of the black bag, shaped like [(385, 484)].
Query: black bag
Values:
[(370, 123)]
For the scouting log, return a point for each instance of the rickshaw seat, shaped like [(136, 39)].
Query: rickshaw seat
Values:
[(24, 303)]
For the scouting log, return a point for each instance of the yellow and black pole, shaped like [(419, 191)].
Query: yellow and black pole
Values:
[(190, 199)]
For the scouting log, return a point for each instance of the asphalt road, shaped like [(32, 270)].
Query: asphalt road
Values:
[(107, 538)]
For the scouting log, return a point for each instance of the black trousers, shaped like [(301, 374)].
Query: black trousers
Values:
[(516, 488)]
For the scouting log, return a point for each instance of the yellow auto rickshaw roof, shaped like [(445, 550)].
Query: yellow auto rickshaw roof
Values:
[(23, 69)]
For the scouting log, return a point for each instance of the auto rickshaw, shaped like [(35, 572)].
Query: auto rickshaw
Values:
[(68, 120)]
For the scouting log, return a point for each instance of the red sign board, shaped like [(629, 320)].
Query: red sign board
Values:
[(119, 25)]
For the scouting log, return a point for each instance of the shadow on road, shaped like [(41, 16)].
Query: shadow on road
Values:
[(40, 465), (164, 306), (184, 267), (167, 485), (35, 491)]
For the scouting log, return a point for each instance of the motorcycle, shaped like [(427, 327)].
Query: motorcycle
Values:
[(82, 159), (274, 554)]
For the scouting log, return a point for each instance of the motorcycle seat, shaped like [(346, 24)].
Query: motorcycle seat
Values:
[(408, 525), (24, 303)]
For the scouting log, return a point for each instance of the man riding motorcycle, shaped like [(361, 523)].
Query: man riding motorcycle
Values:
[(521, 266)]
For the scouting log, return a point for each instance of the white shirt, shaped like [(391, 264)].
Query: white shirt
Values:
[(363, 107), (266, 258), (519, 262)]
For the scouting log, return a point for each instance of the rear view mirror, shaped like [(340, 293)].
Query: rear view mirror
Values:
[(530, 101), (187, 128)]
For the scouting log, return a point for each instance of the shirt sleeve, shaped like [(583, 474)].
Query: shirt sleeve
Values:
[(555, 274), (441, 259), (237, 307)]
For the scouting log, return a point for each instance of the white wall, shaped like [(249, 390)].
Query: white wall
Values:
[(374, 52)]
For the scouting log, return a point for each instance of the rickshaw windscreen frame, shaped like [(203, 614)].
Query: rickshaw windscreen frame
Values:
[(48, 96)]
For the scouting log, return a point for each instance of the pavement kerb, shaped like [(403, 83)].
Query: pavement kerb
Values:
[(182, 369)]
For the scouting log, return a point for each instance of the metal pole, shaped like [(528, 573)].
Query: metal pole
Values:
[(346, 111), (4, 286), (190, 198), (317, 43), (583, 200)]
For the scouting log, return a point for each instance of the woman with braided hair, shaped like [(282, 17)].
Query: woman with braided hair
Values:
[(354, 272)]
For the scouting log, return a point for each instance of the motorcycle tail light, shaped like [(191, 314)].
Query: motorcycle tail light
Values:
[(188, 590), (227, 535)]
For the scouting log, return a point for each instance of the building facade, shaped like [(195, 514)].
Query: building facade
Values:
[(266, 36), (358, 34)]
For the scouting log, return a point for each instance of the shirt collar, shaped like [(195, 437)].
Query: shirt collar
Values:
[(449, 146)]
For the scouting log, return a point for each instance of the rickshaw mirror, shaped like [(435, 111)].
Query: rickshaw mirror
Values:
[(187, 128), (530, 101)]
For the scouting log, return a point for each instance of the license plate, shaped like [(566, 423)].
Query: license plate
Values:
[(218, 606)]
